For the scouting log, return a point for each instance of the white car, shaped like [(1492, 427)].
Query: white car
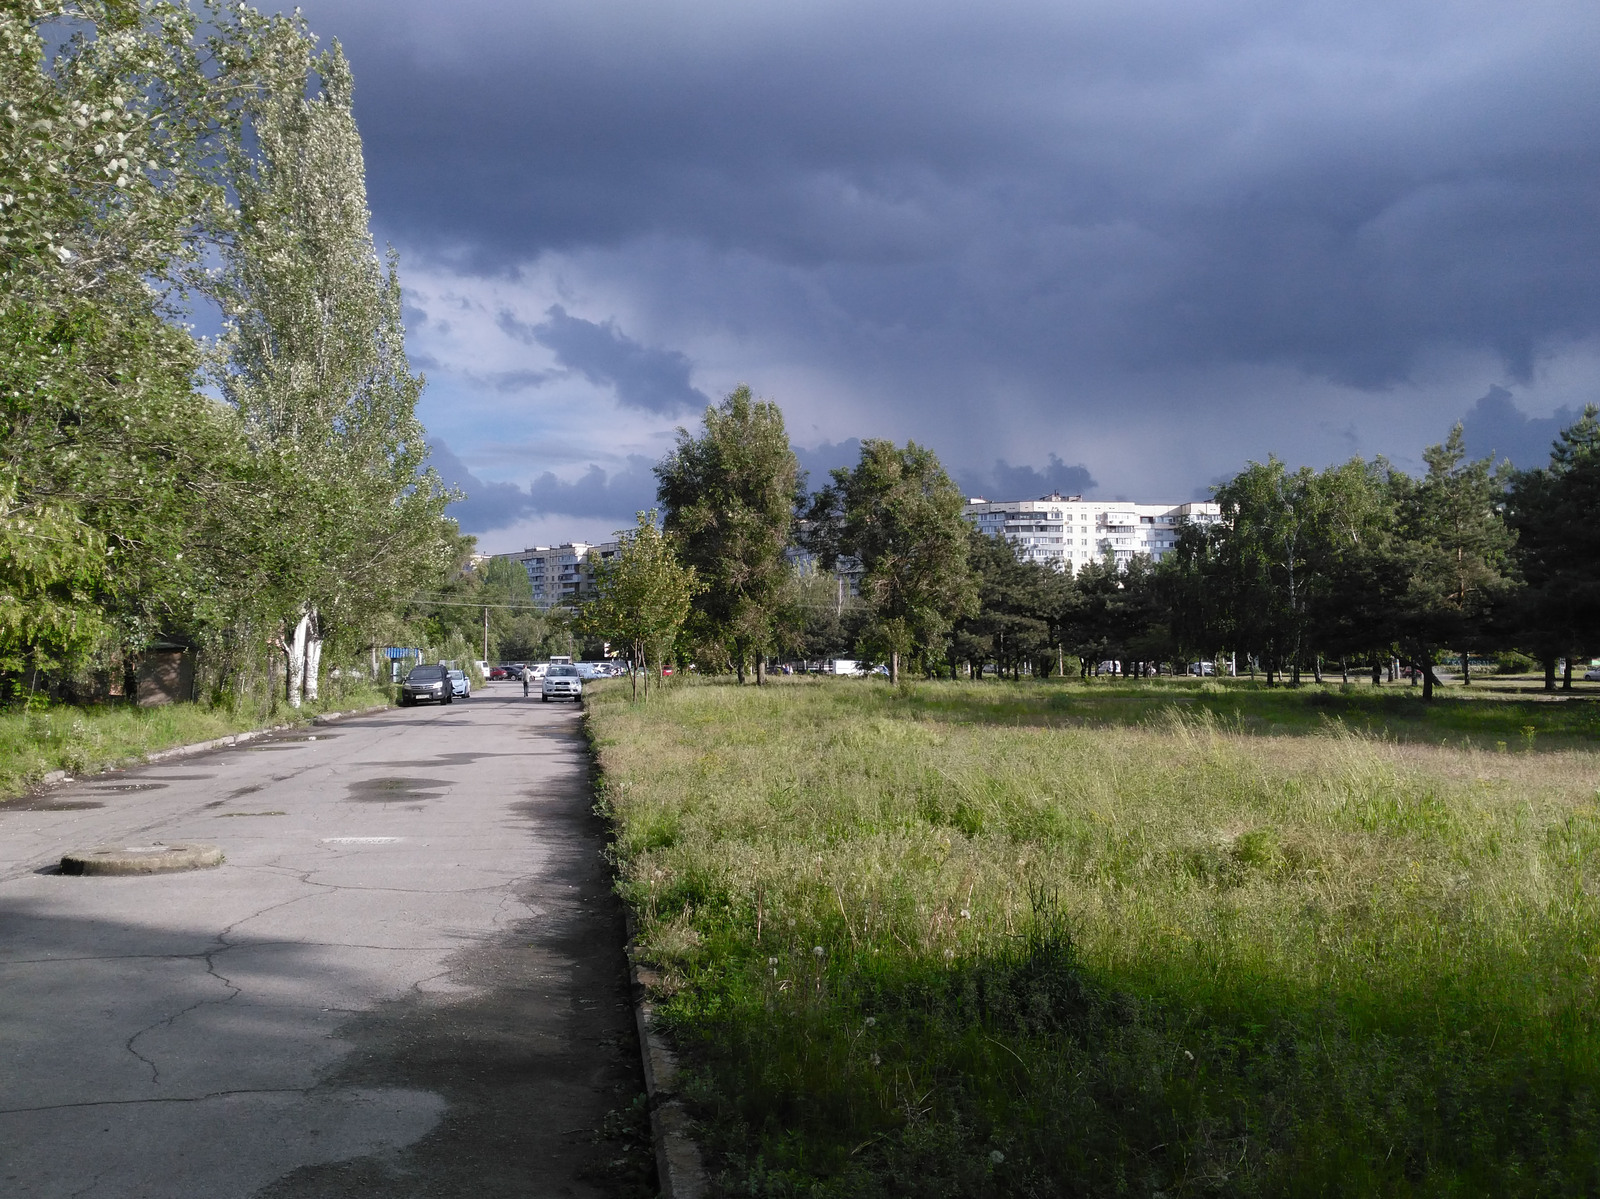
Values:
[(561, 682), (1592, 674)]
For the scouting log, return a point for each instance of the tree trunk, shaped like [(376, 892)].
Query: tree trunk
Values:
[(1316, 667), (294, 650), (313, 657), (1466, 668), (1566, 673), (1377, 671), (1549, 674), (761, 670), (894, 666)]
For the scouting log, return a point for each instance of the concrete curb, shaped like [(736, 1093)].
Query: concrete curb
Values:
[(680, 1169), (201, 747)]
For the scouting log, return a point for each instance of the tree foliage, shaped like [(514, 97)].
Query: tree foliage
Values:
[(728, 498), (141, 142), (898, 515), (643, 595)]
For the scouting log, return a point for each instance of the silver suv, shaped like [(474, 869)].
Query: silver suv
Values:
[(561, 681)]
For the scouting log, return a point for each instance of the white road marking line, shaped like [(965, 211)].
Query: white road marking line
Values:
[(360, 840)]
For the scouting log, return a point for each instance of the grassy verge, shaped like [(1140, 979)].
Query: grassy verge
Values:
[(996, 939), (81, 740)]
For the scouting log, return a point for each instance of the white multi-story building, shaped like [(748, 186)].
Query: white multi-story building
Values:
[(559, 575), (1071, 532)]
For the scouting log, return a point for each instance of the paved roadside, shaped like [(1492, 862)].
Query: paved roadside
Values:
[(407, 978)]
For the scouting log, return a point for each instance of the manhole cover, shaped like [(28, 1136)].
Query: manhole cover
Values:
[(158, 858)]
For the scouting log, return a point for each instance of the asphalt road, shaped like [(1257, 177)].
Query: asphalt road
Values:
[(406, 979)]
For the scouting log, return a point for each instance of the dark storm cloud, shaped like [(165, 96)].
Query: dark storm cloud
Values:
[(1002, 482), (1496, 426), (487, 506), (651, 380), (1339, 189), (597, 493), (820, 461), (1007, 482)]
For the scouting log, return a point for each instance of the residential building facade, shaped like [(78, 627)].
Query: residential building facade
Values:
[(1070, 532), (562, 575)]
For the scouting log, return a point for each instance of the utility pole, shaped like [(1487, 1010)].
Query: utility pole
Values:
[(486, 632)]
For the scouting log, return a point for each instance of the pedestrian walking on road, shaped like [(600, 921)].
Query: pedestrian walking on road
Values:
[(527, 678)]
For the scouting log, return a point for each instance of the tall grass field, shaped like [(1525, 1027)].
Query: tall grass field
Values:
[(1046, 939)]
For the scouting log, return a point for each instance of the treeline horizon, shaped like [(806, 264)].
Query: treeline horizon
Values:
[(1346, 568)]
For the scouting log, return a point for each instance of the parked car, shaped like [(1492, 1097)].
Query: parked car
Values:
[(429, 683), (561, 681), (460, 684), (1592, 674), (498, 672)]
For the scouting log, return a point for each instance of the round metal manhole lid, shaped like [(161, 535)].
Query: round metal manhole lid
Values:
[(156, 858)]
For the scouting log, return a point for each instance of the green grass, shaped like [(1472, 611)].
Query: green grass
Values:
[(1049, 939), (80, 740)]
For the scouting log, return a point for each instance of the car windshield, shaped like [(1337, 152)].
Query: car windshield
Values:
[(562, 672), (425, 674), (457, 674)]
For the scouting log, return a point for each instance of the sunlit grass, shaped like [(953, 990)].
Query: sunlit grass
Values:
[(82, 739), (991, 938)]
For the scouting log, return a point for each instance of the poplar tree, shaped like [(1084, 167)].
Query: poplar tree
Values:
[(314, 360)]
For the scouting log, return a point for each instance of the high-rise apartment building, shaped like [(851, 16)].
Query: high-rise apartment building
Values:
[(559, 575), (1070, 531)]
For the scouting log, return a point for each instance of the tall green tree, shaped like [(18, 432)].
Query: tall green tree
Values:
[(643, 594), (728, 498), (112, 116), (1552, 512), (1263, 562), (898, 514), (1456, 548), (1013, 620), (315, 361)]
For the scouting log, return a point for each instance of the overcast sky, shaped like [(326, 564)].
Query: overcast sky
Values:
[(1117, 247)]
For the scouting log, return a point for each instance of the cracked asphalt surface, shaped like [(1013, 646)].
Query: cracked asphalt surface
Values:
[(406, 979)]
